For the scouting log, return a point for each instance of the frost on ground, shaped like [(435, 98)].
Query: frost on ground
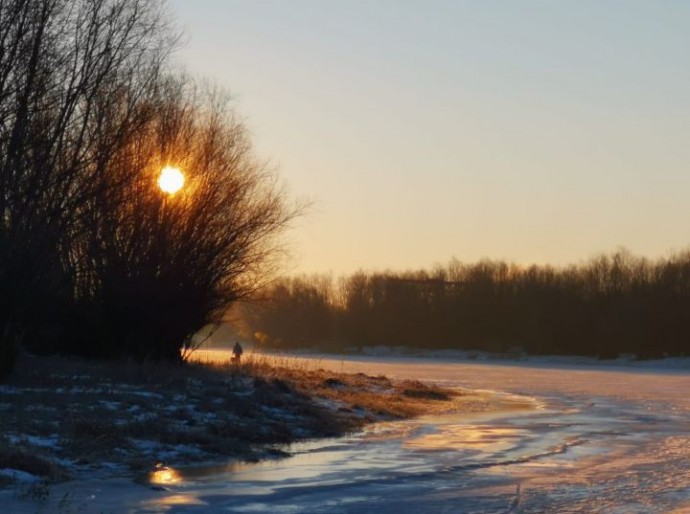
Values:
[(64, 419)]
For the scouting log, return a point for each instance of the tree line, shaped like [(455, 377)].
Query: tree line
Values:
[(95, 260), (611, 304)]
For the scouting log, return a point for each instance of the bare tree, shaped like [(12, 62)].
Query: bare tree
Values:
[(59, 61), (155, 268), (94, 258)]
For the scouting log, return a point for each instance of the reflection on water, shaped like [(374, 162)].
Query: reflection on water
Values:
[(594, 444), (584, 448), (456, 437), (165, 503), (164, 475), (549, 457)]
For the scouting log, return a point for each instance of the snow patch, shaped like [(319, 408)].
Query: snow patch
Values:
[(50, 441), (17, 475)]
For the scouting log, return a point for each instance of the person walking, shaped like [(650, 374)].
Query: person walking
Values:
[(237, 352)]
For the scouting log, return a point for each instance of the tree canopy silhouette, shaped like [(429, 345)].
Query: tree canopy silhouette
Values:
[(608, 305), (90, 108), (152, 269)]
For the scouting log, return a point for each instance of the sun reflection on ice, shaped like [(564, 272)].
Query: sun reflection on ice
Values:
[(164, 475), (164, 503), (468, 436)]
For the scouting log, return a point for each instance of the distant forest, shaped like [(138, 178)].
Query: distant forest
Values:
[(612, 304)]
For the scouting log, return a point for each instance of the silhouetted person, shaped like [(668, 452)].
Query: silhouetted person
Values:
[(237, 352)]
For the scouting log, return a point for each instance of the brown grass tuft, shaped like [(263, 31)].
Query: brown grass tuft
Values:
[(29, 462)]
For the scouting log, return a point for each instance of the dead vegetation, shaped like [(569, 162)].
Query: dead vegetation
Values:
[(29, 462), (62, 418)]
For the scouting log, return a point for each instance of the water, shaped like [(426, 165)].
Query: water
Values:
[(598, 440)]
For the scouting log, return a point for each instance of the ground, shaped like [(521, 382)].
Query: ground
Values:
[(63, 419)]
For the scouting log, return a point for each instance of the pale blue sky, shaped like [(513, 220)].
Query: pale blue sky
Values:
[(532, 131)]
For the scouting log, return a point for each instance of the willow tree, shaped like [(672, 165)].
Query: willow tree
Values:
[(60, 60), (153, 267), (94, 258)]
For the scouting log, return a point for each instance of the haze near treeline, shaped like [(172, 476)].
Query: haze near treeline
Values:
[(613, 304)]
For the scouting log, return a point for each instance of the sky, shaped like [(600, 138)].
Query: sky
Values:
[(530, 131)]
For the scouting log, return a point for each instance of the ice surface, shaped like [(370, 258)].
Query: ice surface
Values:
[(605, 439)]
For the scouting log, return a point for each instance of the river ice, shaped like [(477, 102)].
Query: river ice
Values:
[(604, 440)]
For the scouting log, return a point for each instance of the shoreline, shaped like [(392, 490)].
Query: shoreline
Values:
[(64, 420), (623, 363)]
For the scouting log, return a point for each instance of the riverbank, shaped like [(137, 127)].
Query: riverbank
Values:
[(622, 361), (66, 419)]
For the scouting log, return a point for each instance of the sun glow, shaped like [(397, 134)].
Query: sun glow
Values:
[(171, 180), (164, 475)]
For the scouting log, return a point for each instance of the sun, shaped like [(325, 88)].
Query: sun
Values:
[(171, 180)]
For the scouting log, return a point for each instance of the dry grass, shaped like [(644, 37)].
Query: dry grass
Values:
[(98, 417), (22, 460), (371, 397)]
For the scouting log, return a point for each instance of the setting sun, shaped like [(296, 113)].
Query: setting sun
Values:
[(171, 180)]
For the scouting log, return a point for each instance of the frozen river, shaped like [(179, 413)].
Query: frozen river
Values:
[(598, 440)]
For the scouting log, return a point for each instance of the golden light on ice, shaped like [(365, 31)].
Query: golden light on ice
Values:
[(163, 475), (171, 180)]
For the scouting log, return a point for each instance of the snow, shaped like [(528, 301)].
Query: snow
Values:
[(80, 390), (42, 442), (19, 476), (147, 394), (143, 417), (114, 406), (146, 445), (582, 437), (165, 452), (276, 412)]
